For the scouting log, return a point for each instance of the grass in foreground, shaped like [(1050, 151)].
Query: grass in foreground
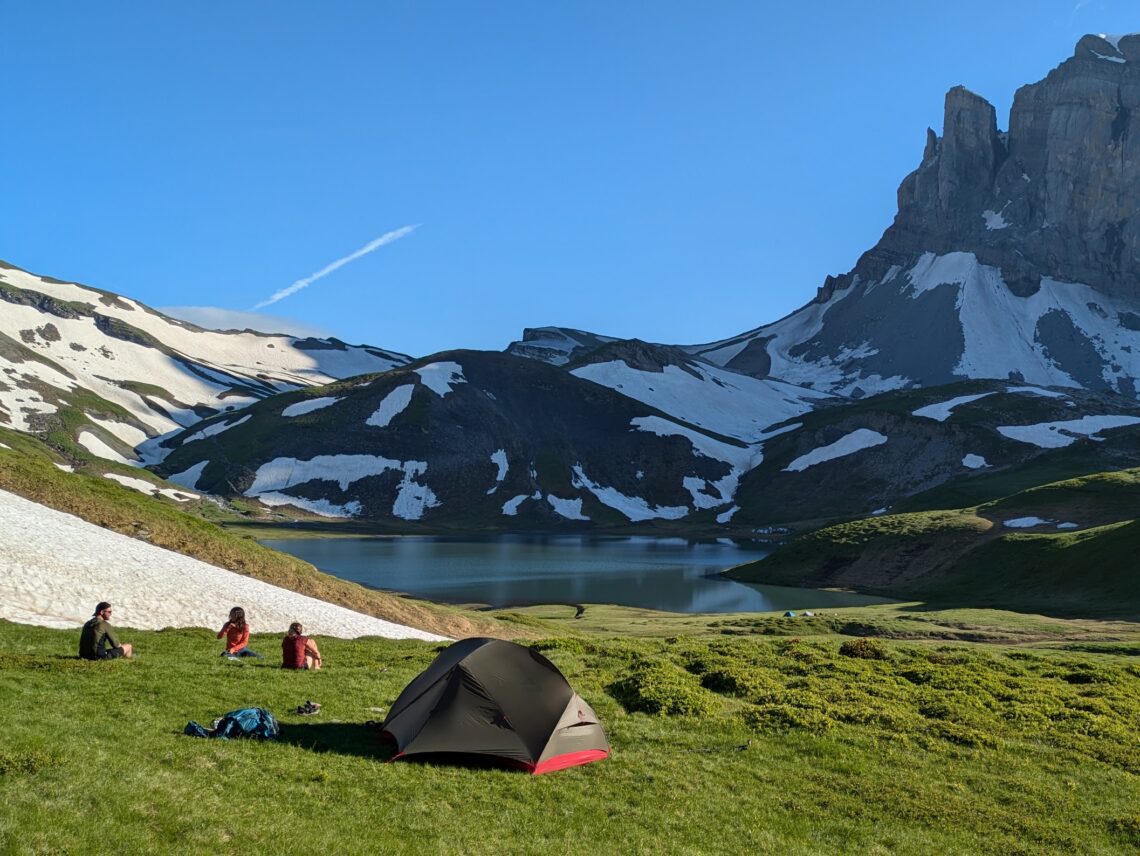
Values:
[(789, 745)]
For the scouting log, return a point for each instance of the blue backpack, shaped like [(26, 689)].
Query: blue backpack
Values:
[(255, 722)]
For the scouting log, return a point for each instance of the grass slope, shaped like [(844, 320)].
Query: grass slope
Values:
[(967, 556), (27, 469), (740, 744)]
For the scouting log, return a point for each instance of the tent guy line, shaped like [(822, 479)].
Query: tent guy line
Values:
[(386, 238)]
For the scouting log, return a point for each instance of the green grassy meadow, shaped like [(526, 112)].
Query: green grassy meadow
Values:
[(997, 710), (733, 741)]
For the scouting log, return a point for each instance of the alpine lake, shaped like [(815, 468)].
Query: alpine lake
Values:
[(669, 574)]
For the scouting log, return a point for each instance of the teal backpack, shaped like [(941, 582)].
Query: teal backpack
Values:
[(255, 722)]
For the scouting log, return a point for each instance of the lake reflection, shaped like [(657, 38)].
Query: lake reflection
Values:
[(669, 574)]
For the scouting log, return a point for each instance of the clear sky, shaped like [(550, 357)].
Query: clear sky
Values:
[(675, 171)]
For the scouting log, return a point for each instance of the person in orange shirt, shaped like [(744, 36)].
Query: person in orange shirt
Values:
[(236, 631)]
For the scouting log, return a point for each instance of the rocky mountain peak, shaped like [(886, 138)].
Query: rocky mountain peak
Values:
[(1014, 254), (1054, 196)]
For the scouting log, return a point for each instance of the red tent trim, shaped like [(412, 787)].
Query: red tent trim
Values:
[(570, 759)]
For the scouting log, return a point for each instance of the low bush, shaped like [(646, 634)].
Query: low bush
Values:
[(663, 689), (785, 717), (1126, 829), (863, 648)]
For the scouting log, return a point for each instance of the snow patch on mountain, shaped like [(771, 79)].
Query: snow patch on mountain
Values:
[(791, 330), (742, 458), (308, 406), (571, 509), (726, 516), (974, 462), (99, 449), (215, 428), (1024, 522), (391, 406), (276, 476), (633, 507), (1109, 58), (282, 473), (726, 402), (150, 488), (315, 506), (189, 477), (499, 459), (1034, 390), (413, 498), (440, 377), (708, 494), (848, 444), (129, 434), (994, 220), (511, 506), (940, 412), (1055, 435)]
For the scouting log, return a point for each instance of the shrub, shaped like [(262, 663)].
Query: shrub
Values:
[(962, 735), (731, 675), (1087, 675), (663, 689), (27, 761), (1126, 829), (569, 645), (863, 648), (785, 717)]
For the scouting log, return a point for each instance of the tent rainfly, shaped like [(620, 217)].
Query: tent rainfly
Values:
[(497, 700)]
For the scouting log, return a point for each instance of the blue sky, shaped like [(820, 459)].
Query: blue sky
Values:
[(675, 171)]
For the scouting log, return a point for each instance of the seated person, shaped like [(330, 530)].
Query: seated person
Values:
[(236, 631), (298, 651), (97, 640)]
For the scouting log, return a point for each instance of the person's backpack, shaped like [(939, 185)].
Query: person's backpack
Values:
[(255, 722)]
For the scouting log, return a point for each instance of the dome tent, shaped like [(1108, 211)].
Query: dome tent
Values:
[(498, 700)]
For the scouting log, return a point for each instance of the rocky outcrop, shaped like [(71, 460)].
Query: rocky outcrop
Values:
[(1013, 254), (1056, 196)]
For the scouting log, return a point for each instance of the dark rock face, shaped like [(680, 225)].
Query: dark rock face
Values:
[(1013, 254), (1060, 188), (555, 345)]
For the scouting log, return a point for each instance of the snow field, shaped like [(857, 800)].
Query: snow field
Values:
[(308, 406), (441, 377), (856, 441), (55, 567), (391, 406), (1055, 435)]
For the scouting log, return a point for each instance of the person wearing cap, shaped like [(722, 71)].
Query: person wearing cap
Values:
[(97, 640)]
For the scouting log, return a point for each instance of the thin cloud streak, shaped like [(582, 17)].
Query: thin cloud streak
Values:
[(386, 238)]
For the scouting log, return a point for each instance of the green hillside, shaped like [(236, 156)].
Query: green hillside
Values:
[(29, 468), (968, 557)]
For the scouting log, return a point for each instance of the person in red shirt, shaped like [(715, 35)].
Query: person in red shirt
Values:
[(236, 631), (298, 651)]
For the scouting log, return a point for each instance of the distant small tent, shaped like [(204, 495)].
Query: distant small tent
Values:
[(496, 700)]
